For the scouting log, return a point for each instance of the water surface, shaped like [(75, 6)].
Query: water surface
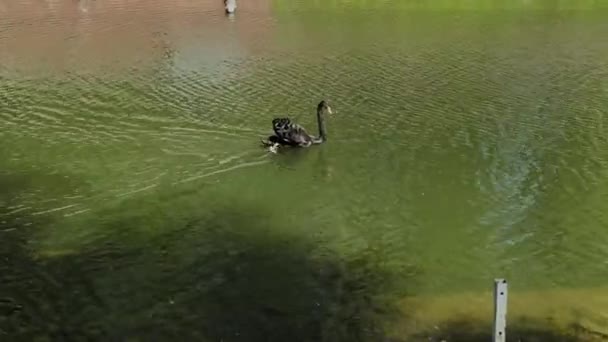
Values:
[(469, 143)]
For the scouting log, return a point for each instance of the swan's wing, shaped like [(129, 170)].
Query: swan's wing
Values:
[(281, 126), (290, 131), (298, 135)]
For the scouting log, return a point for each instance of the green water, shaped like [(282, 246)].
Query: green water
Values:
[(136, 202)]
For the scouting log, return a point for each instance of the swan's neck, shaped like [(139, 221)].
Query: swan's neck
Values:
[(321, 122)]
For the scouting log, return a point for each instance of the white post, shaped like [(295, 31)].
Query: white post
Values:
[(500, 310), (230, 6)]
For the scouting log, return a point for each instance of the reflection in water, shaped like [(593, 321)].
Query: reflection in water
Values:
[(81, 35), (84, 6)]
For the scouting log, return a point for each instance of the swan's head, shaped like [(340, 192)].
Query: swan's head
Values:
[(324, 107)]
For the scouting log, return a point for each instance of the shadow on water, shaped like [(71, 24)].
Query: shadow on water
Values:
[(523, 330), (228, 275), (31, 293)]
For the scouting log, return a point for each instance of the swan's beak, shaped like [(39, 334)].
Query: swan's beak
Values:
[(329, 110)]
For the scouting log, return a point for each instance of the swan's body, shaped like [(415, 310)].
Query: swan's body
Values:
[(289, 133)]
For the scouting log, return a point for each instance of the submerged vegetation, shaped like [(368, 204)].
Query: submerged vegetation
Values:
[(518, 331), (226, 275)]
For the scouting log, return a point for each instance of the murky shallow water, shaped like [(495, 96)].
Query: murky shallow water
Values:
[(468, 145)]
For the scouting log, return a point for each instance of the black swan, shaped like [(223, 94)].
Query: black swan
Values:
[(288, 133)]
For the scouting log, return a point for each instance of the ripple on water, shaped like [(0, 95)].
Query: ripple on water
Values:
[(463, 151)]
